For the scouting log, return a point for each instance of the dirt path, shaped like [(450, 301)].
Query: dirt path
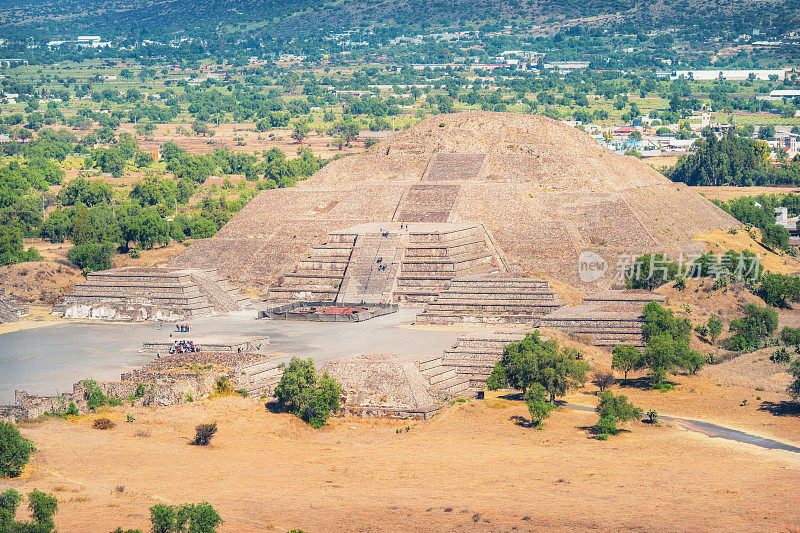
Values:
[(713, 430)]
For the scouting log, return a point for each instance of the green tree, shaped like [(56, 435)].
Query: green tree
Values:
[(300, 392), (300, 130), (794, 386), (626, 358), (197, 518), (774, 236), (667, 339), (323, 401), (714, 328), (779, 289), (538, 406), (15, 451), (613, 410), (162, 518), (202, 228), (92, 256), (42, 507), (9, 501), (750, 331), (535, 361)]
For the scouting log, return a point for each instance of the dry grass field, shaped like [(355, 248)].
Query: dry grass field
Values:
[(469, 468), (250, 140), (728, 193)]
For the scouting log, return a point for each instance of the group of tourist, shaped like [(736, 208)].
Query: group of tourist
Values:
[(381, 266), (182, 328), (184, 346)]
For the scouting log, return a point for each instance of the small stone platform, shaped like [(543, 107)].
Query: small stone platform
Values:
[(327, 312), (212, 344), (383, 386), (463, 369)]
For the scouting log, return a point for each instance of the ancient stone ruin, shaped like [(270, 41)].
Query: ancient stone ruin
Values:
[(383, 386), (137, 293), (10, 309), (537, 192)]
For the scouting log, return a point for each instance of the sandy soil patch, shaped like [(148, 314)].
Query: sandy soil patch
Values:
[(471, 467)]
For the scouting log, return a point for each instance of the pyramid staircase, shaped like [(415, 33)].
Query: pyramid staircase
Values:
[(492, 299), (438, 253), (372, 271), (420, 258), (319, 276)]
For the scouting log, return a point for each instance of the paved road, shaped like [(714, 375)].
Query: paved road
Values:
[(712, 430)]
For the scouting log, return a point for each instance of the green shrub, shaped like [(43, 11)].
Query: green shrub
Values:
[(779, 289), (42, 507), (652, 414), (650, 271), (204, 433), (223, 385), (95, 397), (72, 409), (192, 518), (15, 451), (714, 328), (794, 387), (9, 501)]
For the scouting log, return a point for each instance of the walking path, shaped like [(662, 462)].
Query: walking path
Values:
[(711, 430)]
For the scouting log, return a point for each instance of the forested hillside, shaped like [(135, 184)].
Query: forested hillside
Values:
[(292, 18)]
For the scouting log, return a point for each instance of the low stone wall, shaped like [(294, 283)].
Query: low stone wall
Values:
[(167, 381), (388, 412)]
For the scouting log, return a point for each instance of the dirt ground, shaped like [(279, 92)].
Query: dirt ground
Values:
[(157, 257), (42, 282), (469, 468)]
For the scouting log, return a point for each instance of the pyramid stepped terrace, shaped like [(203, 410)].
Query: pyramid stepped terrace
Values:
[(492, 299), (136, 293)]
